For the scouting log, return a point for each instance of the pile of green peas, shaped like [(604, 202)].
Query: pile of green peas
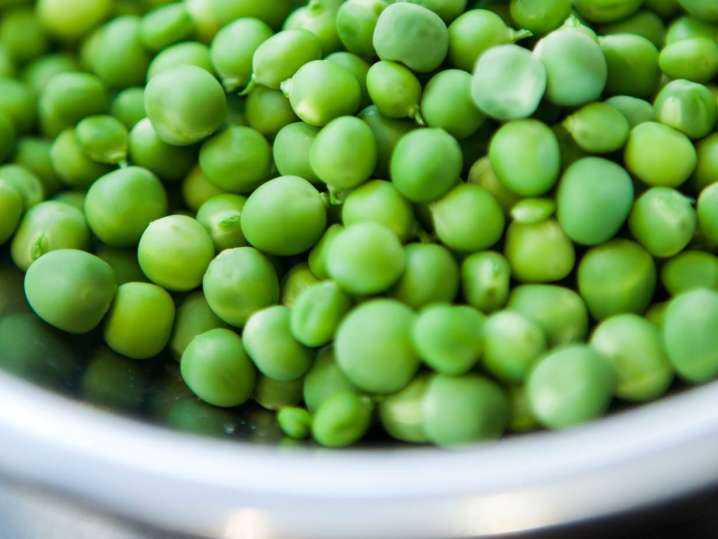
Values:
[(445, 220)]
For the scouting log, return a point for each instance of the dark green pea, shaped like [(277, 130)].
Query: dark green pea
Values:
[(708, 213), (22, 35), (616, 277), (659, 155), (317, 313), (447, 104), (70, 97), (482, 173), (7, 136), (232, 50), (166, 25), (319, 19), (7, 66), (606, 10), (119, 58), (18, 102), (356, 21), (539, 252), (540, 16), (11, 207), (693, 59), (706, 171), (394, 89), (291, 150), (594, 199), (431, 276), (664, 8), (185, 53), (123, 262), (598, 128), (103, 139), (402, 415), (76, 199), (643, 23), (147, 150), (358, 67), (689, 270), (268, 110), (279, 57), (113, 381), (634, 109), (275, 395), (387, 133), (128, 106), (341, 420), (25, 183), (69, 21), (485, 280), (703, 9), (688, 27), (632, 65), (295, 281)]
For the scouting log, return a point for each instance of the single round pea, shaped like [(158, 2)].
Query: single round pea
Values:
[(291, 150), (24, 182), (193, 318), (72, 165), (295, 422), (394, 89), (659, 155), (693, 59), (606, 10), (540, 16), (284, 216), (569, 386), (69, 97), (34, 154), (525, 156), (268, 110), (275, 395), (576, 70), (425, 164), (431, 276), (632, 63), (598, 128), (22, 35), (272, 347), (356, 21), (689, 270), (49, 226), (11, 207), (373, 346), (482, 173), (128, 106), (119, 57), (413, 35), (447, 104), (185, 104), (18, 102), (485, 280), (341, 420), (70, 289), (232, 50), (317, 259), (508, 82), (295, 281), (708, 213), (402, 414), (317, 313), (663, 221), (197, 189), (221, 216), (634, 109), (706, 171), (344, 153), (463, 409), (319, 18), (147, 150), (380, 202), (189, 53), (688, 107), (279, 57), (594, 199), (165, 25), (539, 252), (512, 345), (689, 336), (616, 277), (324, 380), (239, 282), (533, 210), (689, 27), (103, 139), (387, 133), (644, 23), (120, 205), (174, 252), (217, 369), (358, 67), (69, 21)]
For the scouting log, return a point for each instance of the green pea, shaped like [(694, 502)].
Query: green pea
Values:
[(34, 154), (122, 204), (18, 103), (380, 202), (49, 226), (211, 16), (425, 164), (317, 313), (512, 345), (341, 420), (273, 349), (693, 59), (358, 67), (317, 259), (103, 139), (569, 386), (616, 277), (659, 155), (463, 409), (540, 16), (147, 150), (576, 69), (22, 35), (598, 128), (128, 106), (37, 74), (508, 82), (232, 50), (72, 165), (268, 111), (402, 414), (193, 318), (634, 109), (275, 395), (344, 153), (295, 422), (70, 289), (217, 369), (525, 156), (123, 262), (291, 150), (632, 63), (364, 339), (644, 23), (319, 19), (706, 171), (482, 173), (539, 252), (485, 280), (68, 98), (187, 53), (185, 104), (324, 380), (413, 35), (113, 381), (221, 216), (606, 10), (394, 89), (25, 183), (7, 136), (11, 207), (119, 57), (689, 337), (594, 199), (559, 311), (703, 9), (708, 213), (356, 21), (387, 133), (689, 270), (280, 57), (687, 106), (447, 104), (431, 276), (69, 21), (166, 25), (688, 27), (197, 189), (295, 281), (7, 65), (473, 33), (533, 210), (664, 8)]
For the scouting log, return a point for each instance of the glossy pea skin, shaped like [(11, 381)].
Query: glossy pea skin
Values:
[(317, 313), (291, 150), (687, 106), (380, 202), (284, 216), (394, 89), (221, 216), (540, 16), (344, 153), (324, 380), (706, 171), (703, 9), (644, 23), (321, 91), (447, 104), (559, 311), (594, 199), (186, 53), (616, 277), (569, 386), (70, 289), (365, 258), (664, 8), (525, 156), (689, 27), (217, 369), (11, 207), (185, 104), (274, 350), (425, 164), (128, 106), (413, 35), (268, 110), (431, 276), (539, 252), (659, 155), (508, 82), (692, 59), (708, 213), (598, 128), (319, 19), (196, 189), (237, 159), (295, 281), (358, 67), (663, 221), (387, 133), (374, 349), (463, 409), (103, 138), (280, 57), (449, 338), (634, 348), (468, 218), (689, 270), (193, 317), (49, 226), (689, 337), (632, 63), (356, 21), (174, 252), (606, 10), (119, 58), (71, 20), (295, 422), (341, 420), (512, 345), (24, 182), (165, 25), (533, 210), (576, 70), (634, 109), (147, 150), (402, 414), (485, 280), (232, 50)]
